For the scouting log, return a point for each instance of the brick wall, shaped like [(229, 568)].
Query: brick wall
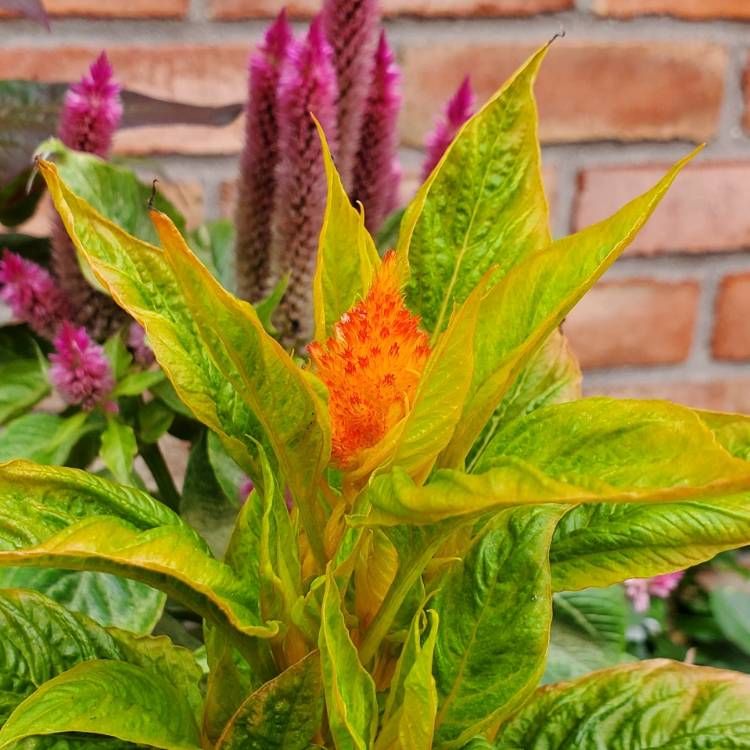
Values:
[(630, 88)]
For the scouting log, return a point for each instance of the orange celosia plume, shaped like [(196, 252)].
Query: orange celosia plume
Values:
[(371, 365)]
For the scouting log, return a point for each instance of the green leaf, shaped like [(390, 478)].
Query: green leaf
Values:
[(347, 259), (482, 206), (731, 608), (229, 476), (599, 614), (495, 613), (63, 518), (409, 719), (653, 704), (135, 383), (531, 300), (23, 383), (387, 236), (350, 691), (154, 419), (42, 639), (118, 355), (283, 714), (119, 449), (113, 698), (203, 504), (114, 191), (106, 599), (214, 245), (46, 438), (731, 430), (552, 376)]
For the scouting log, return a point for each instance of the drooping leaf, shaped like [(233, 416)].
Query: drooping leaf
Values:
[(521, 311), (483, 205), (42, 437), (284, 714), (653, 704), (552, 376), (495, 612), (42, 639), (112, 698), (731, 430), (64, 518), (409, 719), (106, 599), (347, 259), (349, 689)]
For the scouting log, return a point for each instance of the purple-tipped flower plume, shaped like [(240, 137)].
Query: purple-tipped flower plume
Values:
[(92, 110), (376, 174), (640, 590), (257, 183), (351, 27), (307, 85), (457, 112), (80, 370), (32, 294), (91, 113)]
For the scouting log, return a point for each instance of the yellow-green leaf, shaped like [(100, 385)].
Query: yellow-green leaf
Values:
[(347, 259), (482, 206), (530, 301)]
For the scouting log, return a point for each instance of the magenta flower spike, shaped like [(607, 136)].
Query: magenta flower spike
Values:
[(91, 113), (376, 171), (458, 110), (258, 163), (80, 370), (351, 27), (32, 294), (92, 110), (307, 86), (640, 590)]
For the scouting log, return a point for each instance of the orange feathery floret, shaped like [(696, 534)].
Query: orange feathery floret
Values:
[(371, 365)]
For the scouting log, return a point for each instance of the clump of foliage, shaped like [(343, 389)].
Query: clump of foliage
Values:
[(446, 484)]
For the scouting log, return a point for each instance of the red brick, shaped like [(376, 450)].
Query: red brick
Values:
[(115, 8), (691, 9), (235, 9), (705, 210), (587, 91), (634, 322), (197, 74), (731, 395), (731, 335)]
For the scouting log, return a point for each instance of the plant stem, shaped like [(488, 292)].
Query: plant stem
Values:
[(154, 459)]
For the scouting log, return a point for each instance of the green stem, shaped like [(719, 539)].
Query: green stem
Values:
[(154, 459)]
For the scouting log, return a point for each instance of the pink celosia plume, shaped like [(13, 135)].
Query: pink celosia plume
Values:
[(351, 27), (640, 590), (376, 173), (91, 113), (458, 110), (307, 85), (80, 370), (257, 183), (92, 110), (32, 294)]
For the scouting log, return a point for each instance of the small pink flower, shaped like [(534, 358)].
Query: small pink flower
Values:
[(92, 110), (640, 590), (32, 294), (457, 112), (142, 353), (80, 370), (245, 489)]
